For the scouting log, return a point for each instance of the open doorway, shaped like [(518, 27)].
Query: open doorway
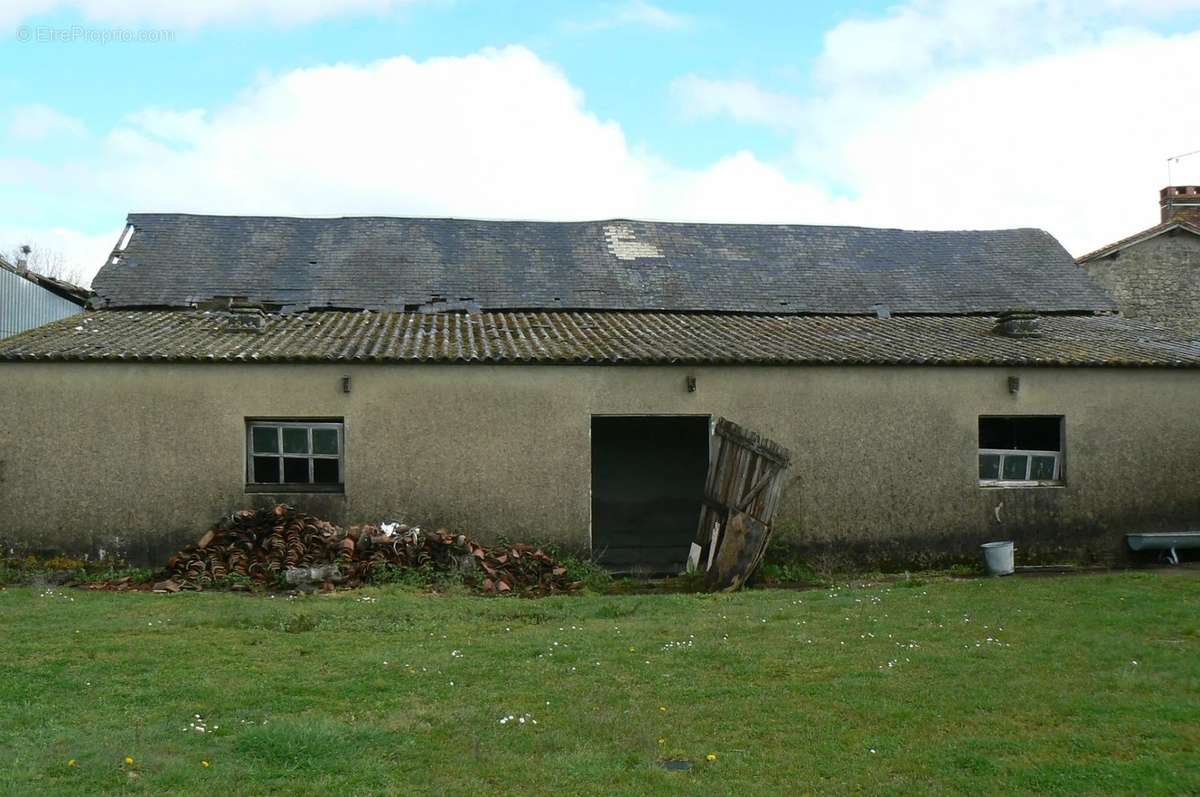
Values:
[(648, 476)]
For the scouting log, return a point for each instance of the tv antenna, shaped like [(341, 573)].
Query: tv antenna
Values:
[(1176, 159)]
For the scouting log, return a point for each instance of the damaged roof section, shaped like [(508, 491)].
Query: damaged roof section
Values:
[(60, 288), (182, 261), (603, 338)]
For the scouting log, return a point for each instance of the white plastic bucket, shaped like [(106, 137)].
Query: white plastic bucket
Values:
[(998, 558)]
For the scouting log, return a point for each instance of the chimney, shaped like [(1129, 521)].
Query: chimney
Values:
[(1019, 324), (23, 258), (1180, 203)]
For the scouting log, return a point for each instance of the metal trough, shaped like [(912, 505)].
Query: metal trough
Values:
[(1164, 541)]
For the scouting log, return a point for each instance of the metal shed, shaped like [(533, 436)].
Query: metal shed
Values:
[(28, 300)]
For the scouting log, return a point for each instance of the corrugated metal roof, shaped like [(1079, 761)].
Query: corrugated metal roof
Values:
[(598, 338), (176, 260)]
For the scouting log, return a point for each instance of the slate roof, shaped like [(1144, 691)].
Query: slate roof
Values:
[(1138, 237), (176, 260), (597, 338)]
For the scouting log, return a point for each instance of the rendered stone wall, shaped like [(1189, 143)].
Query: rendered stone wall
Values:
[(138, 458)]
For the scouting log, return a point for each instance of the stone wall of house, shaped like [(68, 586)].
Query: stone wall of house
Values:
[(1157, 280), (139, 458)]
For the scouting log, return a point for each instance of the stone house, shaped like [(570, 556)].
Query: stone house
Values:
[(558, 382), (1154, 275)]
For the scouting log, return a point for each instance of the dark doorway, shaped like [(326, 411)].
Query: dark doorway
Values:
[(648, 477)]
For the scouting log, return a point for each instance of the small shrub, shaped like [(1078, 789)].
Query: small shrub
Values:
[(63, 569), (593, 576), (782, 564), (233, 581), (405, 577), (445, 581), (418, 578), (624, 584)]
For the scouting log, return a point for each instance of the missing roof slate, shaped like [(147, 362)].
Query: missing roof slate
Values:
[(623, 243)]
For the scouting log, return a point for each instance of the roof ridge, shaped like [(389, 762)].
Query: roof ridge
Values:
[(1138, 237), (577, 222)]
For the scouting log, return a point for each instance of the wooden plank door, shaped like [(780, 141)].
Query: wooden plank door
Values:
[(741, 494)]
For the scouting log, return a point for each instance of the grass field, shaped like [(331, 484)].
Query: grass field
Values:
[(1069, 685)]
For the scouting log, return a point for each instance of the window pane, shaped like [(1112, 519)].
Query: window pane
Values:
[(1042, 469), (266, 439), (295, 470), (266, 469), (325, 441), (325, 471), (1036, 433), (989, 466), (1015, 466), (295, 440)]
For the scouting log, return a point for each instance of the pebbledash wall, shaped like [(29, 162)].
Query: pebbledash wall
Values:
[(138, 459)]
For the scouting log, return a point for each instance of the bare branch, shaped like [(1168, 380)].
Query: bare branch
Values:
[(45, 261)]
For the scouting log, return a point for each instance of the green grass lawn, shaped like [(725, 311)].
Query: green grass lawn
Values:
[(1071, 685)]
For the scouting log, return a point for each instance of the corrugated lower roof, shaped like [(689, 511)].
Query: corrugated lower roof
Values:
[(597, 338), (180, 260)]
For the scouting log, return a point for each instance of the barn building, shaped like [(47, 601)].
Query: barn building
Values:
[(559, 382)]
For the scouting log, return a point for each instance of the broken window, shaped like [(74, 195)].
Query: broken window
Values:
[(302, 456), (1021, 449)]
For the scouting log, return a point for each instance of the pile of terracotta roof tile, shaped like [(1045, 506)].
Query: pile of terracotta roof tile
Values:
[(277, 546)]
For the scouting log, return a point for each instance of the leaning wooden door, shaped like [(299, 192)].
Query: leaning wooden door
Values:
[(741, 494)]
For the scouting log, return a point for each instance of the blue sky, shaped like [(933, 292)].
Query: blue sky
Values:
[(624, 69), (931, 113)]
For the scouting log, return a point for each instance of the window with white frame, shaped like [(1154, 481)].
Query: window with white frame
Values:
[(294, 455), (1020, 449)]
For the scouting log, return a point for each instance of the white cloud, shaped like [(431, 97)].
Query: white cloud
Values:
[(941, 124), (169, 125), (496, 133), (1072, 142), (1075, 143), (634, 12), (913, 39), (37, 122), (196, 13), (743, 189), (639, 12), (741, 100)]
